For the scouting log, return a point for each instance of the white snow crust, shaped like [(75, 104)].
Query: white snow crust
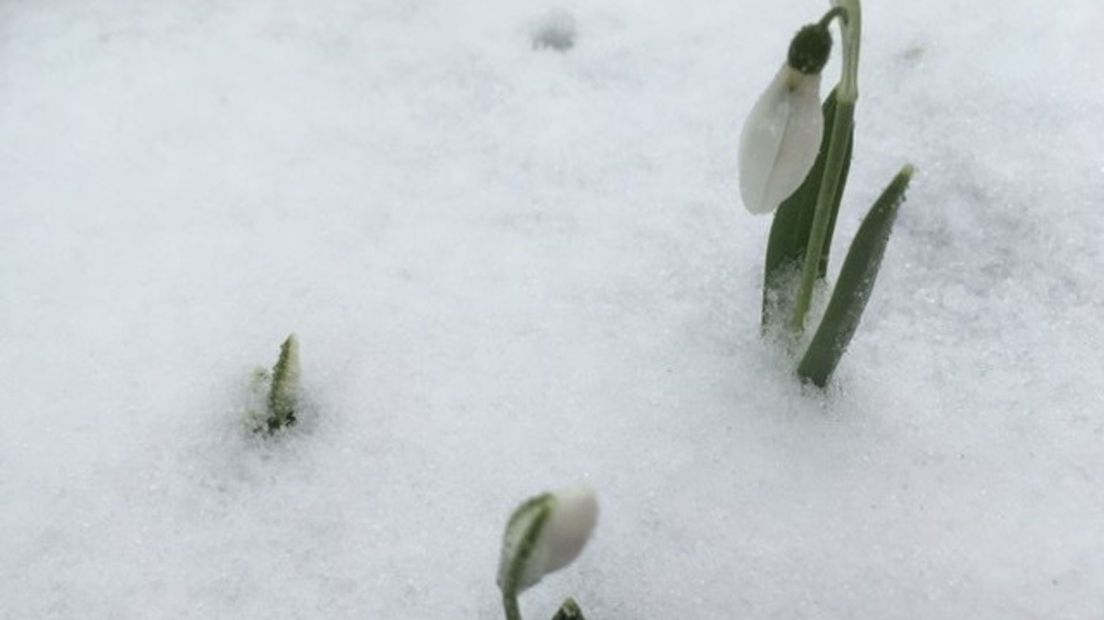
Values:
[(514, 267)]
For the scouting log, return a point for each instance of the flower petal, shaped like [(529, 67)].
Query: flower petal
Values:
[(573, 518), (780, 140)]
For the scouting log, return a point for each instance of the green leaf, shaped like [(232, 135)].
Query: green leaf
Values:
[(856, 281), (793, 222), (283, 397)]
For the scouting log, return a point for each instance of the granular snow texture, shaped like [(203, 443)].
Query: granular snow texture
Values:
[(509, 238)]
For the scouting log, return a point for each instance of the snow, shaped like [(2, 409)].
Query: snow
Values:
[(514, 267)]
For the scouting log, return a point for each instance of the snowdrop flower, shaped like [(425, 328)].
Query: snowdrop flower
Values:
[(545, 534), (781, 136)]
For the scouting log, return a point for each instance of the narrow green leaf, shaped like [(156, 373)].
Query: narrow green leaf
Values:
[(856, 281), (793, 222)]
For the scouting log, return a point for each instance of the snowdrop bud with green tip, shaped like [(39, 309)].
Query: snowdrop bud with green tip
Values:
[(545, 534), (782, 134)]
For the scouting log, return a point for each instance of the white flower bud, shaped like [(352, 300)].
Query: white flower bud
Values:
[(780, 140), (545, 534)]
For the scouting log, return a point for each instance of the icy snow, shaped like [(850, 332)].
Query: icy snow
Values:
[(513, 267)]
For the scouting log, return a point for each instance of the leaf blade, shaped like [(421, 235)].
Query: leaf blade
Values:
[(855, 284)]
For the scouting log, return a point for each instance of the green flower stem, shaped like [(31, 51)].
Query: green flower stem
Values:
[(510, 604), (852, 33), (847, 93), (833, 167), (837, 11)]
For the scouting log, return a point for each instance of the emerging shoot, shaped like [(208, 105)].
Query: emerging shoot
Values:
[(283, 392), (569, 611)]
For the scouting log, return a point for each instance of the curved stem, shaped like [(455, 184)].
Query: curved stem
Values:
[(846, 93), (837, 11), (510, 604), (851, 29)]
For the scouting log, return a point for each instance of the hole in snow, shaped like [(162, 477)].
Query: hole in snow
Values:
[(556, 30)]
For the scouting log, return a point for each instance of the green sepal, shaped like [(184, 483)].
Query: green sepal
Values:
[(518, 542), (569, 611), (793, 223), (856, 281)]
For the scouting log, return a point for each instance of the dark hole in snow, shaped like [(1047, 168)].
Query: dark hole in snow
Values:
[(556, 30)]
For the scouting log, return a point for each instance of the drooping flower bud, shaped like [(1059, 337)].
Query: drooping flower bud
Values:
[(782, 134), (545, 534)]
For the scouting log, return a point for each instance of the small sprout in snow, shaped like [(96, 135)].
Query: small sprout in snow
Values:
[(283, 393), (569, 611), (544, 534), (284, 396)]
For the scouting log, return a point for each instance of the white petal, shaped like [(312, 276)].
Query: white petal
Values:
[(573, 518), (780, 140)]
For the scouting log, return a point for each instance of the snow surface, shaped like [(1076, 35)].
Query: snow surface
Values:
[(514, 266)]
